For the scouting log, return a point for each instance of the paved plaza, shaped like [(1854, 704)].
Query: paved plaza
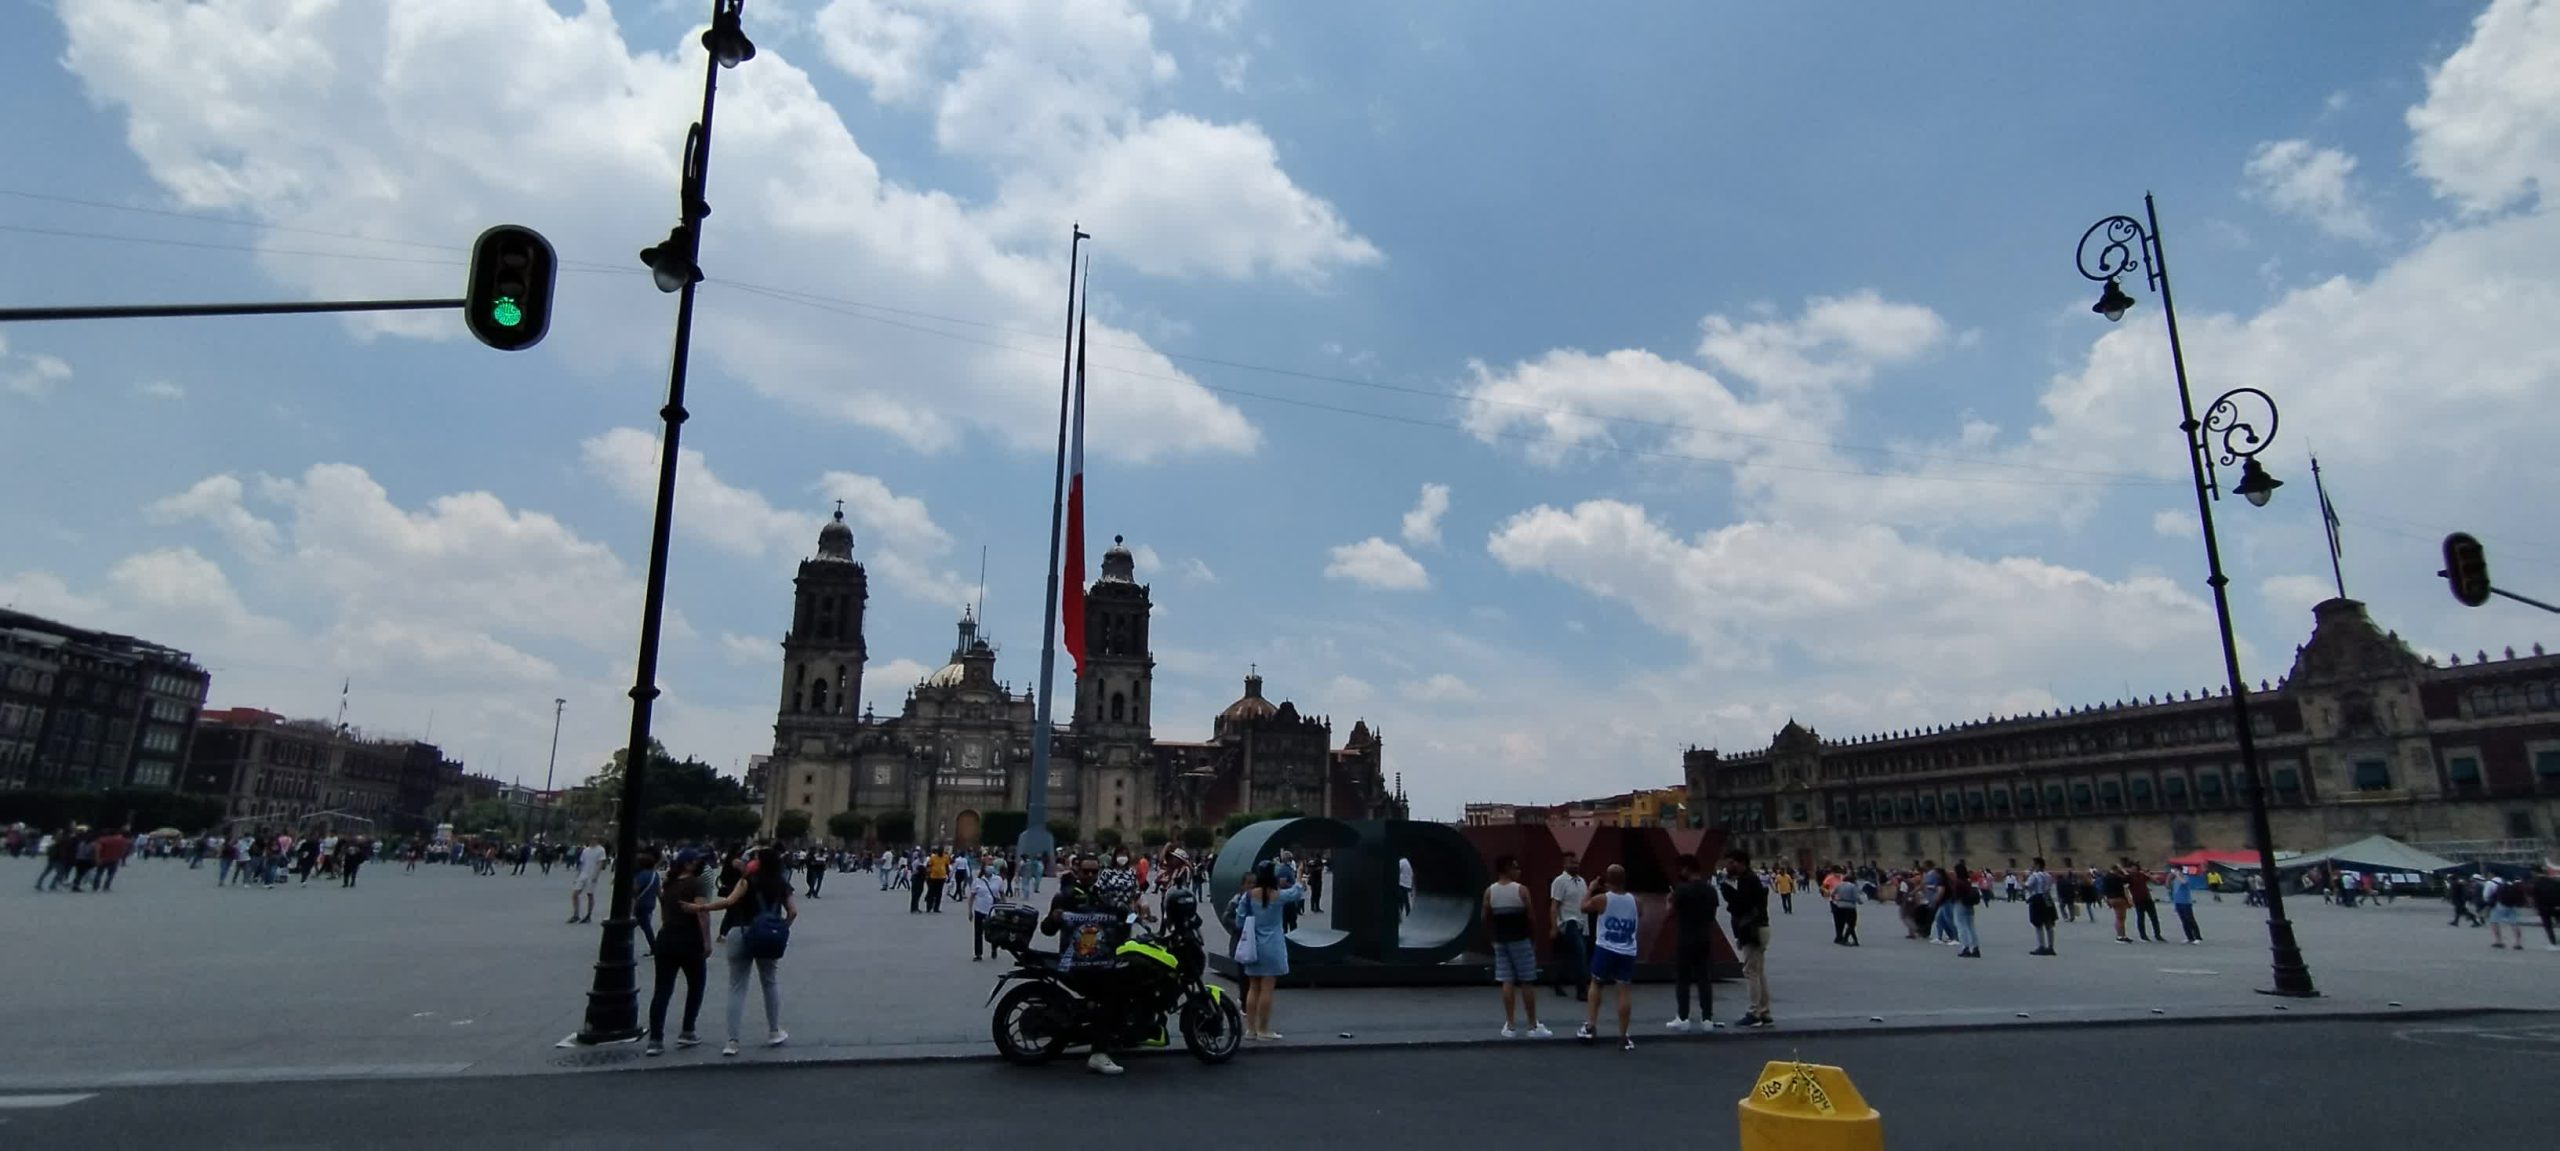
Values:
[(440, 972)]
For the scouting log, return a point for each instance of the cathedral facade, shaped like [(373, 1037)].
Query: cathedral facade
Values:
[(960, 745)]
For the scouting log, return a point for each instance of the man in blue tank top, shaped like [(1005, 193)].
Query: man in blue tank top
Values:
[(1613, 954)]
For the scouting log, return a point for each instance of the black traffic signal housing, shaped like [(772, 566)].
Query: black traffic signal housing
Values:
[(508, 304), (2466, 569)]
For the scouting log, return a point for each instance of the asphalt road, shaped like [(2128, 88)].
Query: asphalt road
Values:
[(2338, 1086)]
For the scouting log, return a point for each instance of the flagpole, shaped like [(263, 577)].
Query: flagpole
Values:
[(1036, 843), (2329, 525)]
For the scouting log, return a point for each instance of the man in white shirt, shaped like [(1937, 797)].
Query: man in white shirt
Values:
[(1404, 882), (590, 868), (1571, 957)]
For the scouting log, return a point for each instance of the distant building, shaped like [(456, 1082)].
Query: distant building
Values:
[(271, 770), (960, 744), (84, 710), (2363, 737)]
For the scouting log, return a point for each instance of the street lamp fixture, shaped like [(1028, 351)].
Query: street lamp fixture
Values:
[(613, 998), (2237, 426)]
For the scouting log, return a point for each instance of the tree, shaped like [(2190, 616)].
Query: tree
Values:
[(1242, 820), (1002, 828), (896, 827), (485, 815), (1198, 838), (1284, 813), (848, 826), (1154, 837), (677, 822), (735, 824), (793, 825), (1065, 832), (1109, 837)]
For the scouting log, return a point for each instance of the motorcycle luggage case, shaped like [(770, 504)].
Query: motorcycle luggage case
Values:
[(1012, 925)]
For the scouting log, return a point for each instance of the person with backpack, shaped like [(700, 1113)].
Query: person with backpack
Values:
[(683, 949), (755, 929)]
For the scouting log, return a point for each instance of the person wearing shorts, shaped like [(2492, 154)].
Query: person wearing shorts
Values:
[(582, 890), (1515, 958), (2506, 912), (1613, 955)]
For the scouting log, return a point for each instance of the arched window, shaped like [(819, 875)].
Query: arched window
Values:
[(818, 697), (1119, 706), (799, 685), (844, 685)]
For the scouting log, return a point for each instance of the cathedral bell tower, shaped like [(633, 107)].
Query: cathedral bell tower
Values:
[(1115, 696), (822, 656)]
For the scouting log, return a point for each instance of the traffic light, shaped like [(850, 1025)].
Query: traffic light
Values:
[(508, 305), (2466, 569)]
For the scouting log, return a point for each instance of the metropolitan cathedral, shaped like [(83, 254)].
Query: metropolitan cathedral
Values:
[(960, 745)]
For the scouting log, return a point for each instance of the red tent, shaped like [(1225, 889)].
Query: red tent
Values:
[(2196, 861)]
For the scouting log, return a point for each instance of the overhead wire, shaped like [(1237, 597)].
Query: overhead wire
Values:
[(859, 309)]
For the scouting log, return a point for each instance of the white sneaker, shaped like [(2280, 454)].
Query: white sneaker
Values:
[(779, 1038), (1585, 1034), (1540, 1030), (729, 1048), (1508, 1033), (1676, 1025), (1101, 1064)]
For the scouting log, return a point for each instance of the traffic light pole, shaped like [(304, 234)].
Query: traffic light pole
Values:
[(171, 311), (2523, 599)]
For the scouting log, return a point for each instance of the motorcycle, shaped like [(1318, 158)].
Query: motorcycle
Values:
[(1109, 996)]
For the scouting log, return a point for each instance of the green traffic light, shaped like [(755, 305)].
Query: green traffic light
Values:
[(506, 312)]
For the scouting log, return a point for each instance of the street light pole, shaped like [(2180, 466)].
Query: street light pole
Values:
[(613, 1005), (2232, 431)]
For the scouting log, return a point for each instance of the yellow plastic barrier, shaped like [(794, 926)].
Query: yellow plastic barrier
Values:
[(1807, 1107)]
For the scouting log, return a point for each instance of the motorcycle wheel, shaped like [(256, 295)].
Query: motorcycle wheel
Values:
[(1213, 1029), (1032, 1023)]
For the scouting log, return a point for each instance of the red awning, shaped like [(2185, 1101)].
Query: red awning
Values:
[(2198, 859)]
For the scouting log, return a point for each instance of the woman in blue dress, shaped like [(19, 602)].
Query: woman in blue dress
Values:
[(1262, 909)]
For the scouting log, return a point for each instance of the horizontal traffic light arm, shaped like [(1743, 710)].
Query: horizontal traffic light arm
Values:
[(2524, 599), (160, 311)]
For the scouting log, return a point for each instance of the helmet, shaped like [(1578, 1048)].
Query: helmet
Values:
[(1181, 907)]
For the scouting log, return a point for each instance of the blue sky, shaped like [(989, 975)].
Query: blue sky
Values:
[(1640, 292)]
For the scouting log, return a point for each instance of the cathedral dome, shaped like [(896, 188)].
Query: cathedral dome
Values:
[(835, 541), (1251, 705), (948, 675)]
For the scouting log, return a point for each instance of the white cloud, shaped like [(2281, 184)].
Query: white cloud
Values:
[(1349, 691), (30, 374), (216, 501), (1374, 562), (2488, 135), (1146, 559), (2176, 524), (1231, 70), (885, 685), (163, 390), (1196, 571), (359, 118), (2294, 595), (1422, 524), (2311, 183), (750, 650), (1440, 688), (894, 535)]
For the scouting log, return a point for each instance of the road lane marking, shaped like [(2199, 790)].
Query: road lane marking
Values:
[(32, 1102)]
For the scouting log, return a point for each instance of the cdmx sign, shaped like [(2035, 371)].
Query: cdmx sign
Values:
[(1368, 932)]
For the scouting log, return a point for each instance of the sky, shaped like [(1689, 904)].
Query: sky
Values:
[(1553, 387)]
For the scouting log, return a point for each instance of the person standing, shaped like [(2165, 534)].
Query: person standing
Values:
[(1288, 878), (2112, 885), (1613, 955), (1845, 897), (115, 845), (1747, 905), (817, 871), (2546, 902), (1963, 898), (582, 889), (683, 949), (2040, 908), (645, 886), (2506, 911), (1565, 896), (357, 851), (1264, 900), (1515, 956), (1404, 883), (984, 893), (2182, 899), (937, 875), (2146, 911), (1693, 920), (1786, 888), (763, 889), (2459, 893), (1315, 887)]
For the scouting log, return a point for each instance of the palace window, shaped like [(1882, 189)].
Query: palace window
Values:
[(2141, 786), (2000, 801), (2288, 783), (2111, 795), (2373, 775), (2081, 797), (2008, 839), (2182, 834), (1911, 842), (1955, 840), (2463, 770), (2546, 764), (2062, 838), (2117, 840)]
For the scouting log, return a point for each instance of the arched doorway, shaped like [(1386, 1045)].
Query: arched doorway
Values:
[(964, 830)]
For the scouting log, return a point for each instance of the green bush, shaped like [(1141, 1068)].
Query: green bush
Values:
[(677, 822), (1198, 838), (1065, 832), (1109, 837), (735, 824), (1002, 828), (1242, 820), (848, 826), (1154, 837), (896, 827), (794, 825)]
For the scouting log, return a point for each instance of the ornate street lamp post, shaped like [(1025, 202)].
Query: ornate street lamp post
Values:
[(2237, 426), (613, 1001)]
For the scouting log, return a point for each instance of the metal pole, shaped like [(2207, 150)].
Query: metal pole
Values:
[(557, 706), (169, 311), (613, 1005), (2292, 976), (1036, 842)]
